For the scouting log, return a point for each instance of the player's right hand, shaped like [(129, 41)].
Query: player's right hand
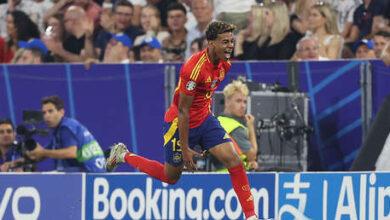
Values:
[(188, 154), (250, 120)]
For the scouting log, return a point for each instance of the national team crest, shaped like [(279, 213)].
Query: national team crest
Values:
[(176, 157), (221, 74), (190, 85)]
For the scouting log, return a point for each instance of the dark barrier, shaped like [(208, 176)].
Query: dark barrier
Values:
[(373, 144), (127, 102)]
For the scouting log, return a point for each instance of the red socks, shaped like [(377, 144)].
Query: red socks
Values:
[(151, 167), (241, 186), (237, 174)]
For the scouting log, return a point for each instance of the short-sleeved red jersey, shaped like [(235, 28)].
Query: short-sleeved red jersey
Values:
[(199, 77)]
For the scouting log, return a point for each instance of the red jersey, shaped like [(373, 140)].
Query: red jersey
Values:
[(199, 77)]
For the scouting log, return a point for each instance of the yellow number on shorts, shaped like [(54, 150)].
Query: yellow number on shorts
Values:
[(174, 143)]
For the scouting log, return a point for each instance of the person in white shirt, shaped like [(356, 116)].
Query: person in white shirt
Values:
[(203, 11), (344, 10), (308, 49), (234, 12)]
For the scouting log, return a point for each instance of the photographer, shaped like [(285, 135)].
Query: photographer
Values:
[(72, 146), (238, 125), (9, 157)]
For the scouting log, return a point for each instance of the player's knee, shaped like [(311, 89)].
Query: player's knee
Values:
[(232, 161), (172, 182), (173, 179)]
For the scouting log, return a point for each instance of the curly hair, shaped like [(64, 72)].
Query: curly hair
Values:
[(26, 28), (218, 27)]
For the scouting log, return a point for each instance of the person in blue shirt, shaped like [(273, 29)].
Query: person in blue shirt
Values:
[(8, 154), (72, 146)]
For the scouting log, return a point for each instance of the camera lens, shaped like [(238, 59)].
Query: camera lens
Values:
[(31, 144)]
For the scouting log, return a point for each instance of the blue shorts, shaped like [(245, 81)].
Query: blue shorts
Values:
[(209, 134)]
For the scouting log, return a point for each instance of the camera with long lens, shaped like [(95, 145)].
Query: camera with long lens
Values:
[(25, 141), (286, 125)]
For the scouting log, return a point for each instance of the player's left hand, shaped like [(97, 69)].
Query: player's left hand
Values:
[(188, 154)]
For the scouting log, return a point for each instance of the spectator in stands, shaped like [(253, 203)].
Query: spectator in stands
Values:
[(150, 50), (197, 45), (17, 56), (385, 56), (118, 50), (55, 30), (381, 39), (191, 21), (174, 46), (308, 49), (151, 25), (364, 49), (203, 11), (119, 23), (380, 23), (78, 46), (344, 10), (26, 6), (267, 36), (31, 56), (137, 10), (92, 9), (322, 24), (43, 7), (19, 28), (363, 19), (238, 125), (300, 17), (233, 12), (34, 52), (162, 6), (5, 52), (8, 154), (72, 146)]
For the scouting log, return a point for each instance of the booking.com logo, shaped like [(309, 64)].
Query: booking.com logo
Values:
[(169, 203)]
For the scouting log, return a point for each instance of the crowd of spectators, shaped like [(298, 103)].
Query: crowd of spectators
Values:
[(126, 31)]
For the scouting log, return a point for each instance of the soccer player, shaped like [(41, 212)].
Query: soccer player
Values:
[(189, 121)]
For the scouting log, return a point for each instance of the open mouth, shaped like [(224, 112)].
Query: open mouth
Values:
[(227, 54)]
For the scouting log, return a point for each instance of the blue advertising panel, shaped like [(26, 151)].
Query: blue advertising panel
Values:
[(41, 196), (334, 196), (195, 196)]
